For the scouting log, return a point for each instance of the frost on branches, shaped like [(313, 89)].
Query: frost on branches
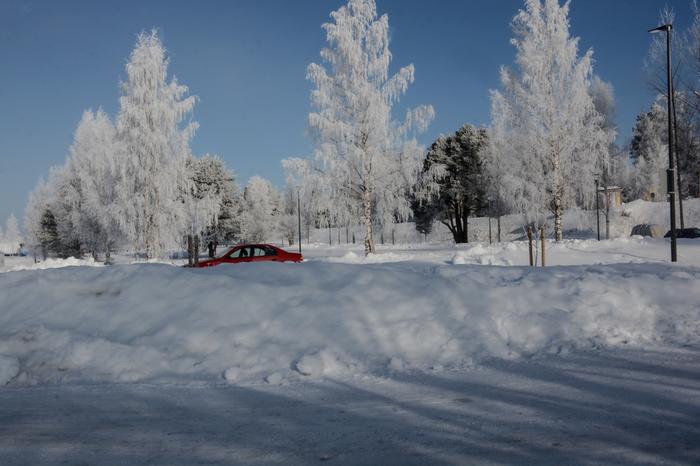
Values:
[(369, 162), (262, 210), (214, 205), (10, 240), (547, 137), (154, 168), (135, 186)]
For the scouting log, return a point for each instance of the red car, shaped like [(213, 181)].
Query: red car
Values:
[(253, 253)]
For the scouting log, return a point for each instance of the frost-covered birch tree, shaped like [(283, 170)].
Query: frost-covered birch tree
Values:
[(154, 175), (366, 158), (303, 178), (12, 238), (547, 132), (92, 163), (262, 210)]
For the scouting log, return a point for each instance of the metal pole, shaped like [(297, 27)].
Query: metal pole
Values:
[(498, 218), (299, 218), (490, 240), (669, 173), (678, 171), (597, 209)]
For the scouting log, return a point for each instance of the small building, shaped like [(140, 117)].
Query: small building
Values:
[(611, 195)]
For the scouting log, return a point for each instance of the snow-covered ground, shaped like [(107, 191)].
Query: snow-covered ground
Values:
[(340, 314), (619, 407), (422, 353)]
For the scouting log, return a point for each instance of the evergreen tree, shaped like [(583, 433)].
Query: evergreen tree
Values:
[(217, 206), (456, 164)]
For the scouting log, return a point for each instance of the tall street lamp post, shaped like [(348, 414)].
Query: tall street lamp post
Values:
[(490, 237), (670, 175), (299, 217), (597, 209)]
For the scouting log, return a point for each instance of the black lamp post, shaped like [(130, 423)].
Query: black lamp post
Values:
[(597, 209), (670, 175), (490, 237), (299, 217)]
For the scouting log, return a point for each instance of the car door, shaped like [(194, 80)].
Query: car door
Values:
[(259, 254), (241, 254)]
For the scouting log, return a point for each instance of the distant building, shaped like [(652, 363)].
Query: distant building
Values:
[(610, 195)]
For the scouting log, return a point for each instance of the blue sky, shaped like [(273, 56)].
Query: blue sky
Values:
[(246, 61)]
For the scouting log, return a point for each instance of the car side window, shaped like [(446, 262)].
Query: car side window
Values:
[(258, 252), (238, 253), (270, 251)]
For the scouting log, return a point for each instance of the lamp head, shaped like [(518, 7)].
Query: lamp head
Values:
[(663, 27)]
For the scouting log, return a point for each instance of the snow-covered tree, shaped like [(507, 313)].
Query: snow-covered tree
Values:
[(262, 210), (368, 160), (649, 151), (11, 239), (154, 174), (454, 165), (214, 204), (38, 205), (547, 130), (93, 160), (302, 176)]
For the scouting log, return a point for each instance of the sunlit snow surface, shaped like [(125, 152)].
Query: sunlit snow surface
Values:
[(422, 353)]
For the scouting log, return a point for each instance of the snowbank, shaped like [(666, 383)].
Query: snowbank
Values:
[(278, 322), (13, 264)]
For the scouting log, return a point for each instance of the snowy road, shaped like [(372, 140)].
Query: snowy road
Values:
[(612, 407)]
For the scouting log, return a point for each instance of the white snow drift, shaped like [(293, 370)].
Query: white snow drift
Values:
[(275, 323)]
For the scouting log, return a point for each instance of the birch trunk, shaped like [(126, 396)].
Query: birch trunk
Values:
[(367, 220), (558, 213)]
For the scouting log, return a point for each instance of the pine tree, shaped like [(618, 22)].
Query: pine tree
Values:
[(368, 161), (454, 164), (215, 204)]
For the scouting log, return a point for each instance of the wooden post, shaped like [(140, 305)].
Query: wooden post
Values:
[(393, 237), (529, 241), (196, 250), (542, 243), (190, 249)]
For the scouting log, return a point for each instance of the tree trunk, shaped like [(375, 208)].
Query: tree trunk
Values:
[(367, 219), (558, 213)]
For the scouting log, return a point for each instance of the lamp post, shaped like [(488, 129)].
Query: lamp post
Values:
[(299, 217), (490, 237), (597, 209), (670, 175)]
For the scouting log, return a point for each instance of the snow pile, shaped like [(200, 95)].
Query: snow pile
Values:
[(14, 264), (645, 212), (276, 323), (352, 257), (484, 255), (9, 368)]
